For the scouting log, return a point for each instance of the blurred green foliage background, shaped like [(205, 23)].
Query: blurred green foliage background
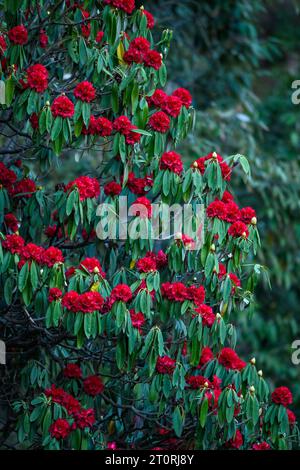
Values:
[(239, 59)]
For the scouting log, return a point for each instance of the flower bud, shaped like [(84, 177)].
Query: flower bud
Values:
[(205, 384), (260, 373), (253, 221), (252, 389), (47, 103), (212, 247), (253, 361), (142, 7), (244, 235), (178, 235), (218, 315), (260, 411), (214, 155), (195, 164), (96, 270)]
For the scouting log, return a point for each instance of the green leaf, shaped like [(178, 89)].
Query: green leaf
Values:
[(203, 412), (23, 276), (178, 421)]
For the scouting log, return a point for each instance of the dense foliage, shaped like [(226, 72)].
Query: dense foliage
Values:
[(119, 343)]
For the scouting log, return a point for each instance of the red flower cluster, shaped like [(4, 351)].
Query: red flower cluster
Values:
[(60, 429), (171, 161), (165, 365), (72, 371), (84, 418), (86, 26), (87, 187), (16, 244), (233, 277), (291, 417), (139, 52), (236, 442), (18, 35), (197, 381), (179, 292), (7, 176), (229, 359), (43, 39), (139, 186), (62, 106), (206, 356), (150, 19), (126, 5), (160, 258), (171, 104), (112, 189), (23, 188), (207, 314), (11, 222), (85, 91), (145, 206), (93, 266), (200, 164), (247, 214), (160, 122), (123, 125), (261, 446), (99, 36), (88, 302), (121, 293), (137, 319), (98, 126), (93, 385), (54, 294), (58, 395), (3, 45), (238, 229), (282, 396), (146, 264), (37, 78)]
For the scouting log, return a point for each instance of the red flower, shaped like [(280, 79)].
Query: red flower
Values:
[(122, 293), (72, 371), (111, 446), (52, 231), (165, 365), (62, 107), (206, 356), (34, 121), (235, 280), (176, 291), (137, 319), (196, 381), (232, 212), (99, 36), (11, 222), (261, 446), (222, 270), (126, 5), (236, 442), (7, 176), (33, 252), (43, 39), (184, 96), (157, 99), (227, 197), (24, 188), (85, 91), (229, 359), (52, 256), (140, 44), (238, 229), (122, 125), (196, 294), (139, 186), (112, 189), (282, 396), (150, 19), (172, 106), (206, 312), (217, 209), (93, 385), (60, 429), (199, 164), (291, 417), (37, 78), (132, 137), (146, 264), (70, 301), (13, 243), (93, 266), (160, 122), (153, 59), (54, 294), (3, 45), (85, 418), (18, 35), (98, 126), (87, 187), (146, 207), (89, 302), (160, 258), (171, 161), (247, 214)]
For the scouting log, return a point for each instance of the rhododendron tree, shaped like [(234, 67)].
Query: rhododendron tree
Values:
[(119, 343)]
